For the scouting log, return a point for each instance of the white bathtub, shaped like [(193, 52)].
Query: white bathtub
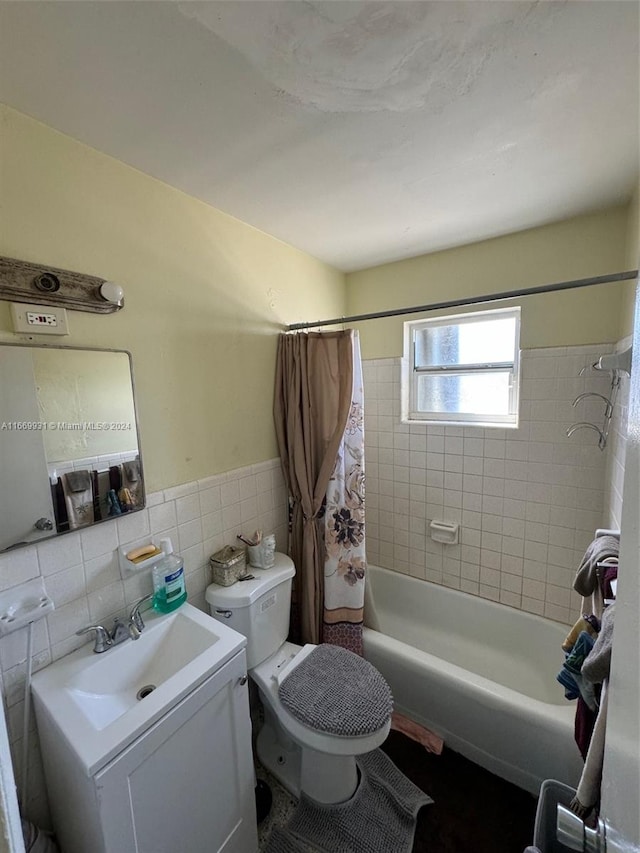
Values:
[(479, 674)]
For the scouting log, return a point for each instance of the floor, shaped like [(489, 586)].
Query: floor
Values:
[(473, 810)]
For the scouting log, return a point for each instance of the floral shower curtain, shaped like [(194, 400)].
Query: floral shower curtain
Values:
[(344, 538)]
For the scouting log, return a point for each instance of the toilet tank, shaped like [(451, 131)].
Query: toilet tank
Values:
[(258, 609)]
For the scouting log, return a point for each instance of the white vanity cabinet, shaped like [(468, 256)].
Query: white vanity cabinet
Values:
[(186, 784)]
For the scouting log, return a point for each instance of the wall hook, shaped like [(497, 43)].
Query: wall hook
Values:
[(614, 364), (609, 409), (602, 440)]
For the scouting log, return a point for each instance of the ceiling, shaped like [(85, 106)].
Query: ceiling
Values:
[(359, 132)]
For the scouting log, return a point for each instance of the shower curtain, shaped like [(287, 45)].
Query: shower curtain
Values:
[(318, 419), (345, 558)]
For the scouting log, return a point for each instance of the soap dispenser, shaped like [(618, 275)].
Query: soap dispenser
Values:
[(169, 590)]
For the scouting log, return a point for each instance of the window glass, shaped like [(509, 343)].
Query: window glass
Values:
[(463, 369), (481, 394), (484, 341)]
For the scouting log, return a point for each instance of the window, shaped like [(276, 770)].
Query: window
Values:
[(463, 369)]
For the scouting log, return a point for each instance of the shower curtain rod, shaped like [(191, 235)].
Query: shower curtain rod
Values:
[(471, 300)]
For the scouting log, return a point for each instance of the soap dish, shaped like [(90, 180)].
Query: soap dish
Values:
[(129, 568), (23, 604)]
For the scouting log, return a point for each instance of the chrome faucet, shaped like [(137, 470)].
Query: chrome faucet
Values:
[(136, 625), (121, 631), (105, 639)]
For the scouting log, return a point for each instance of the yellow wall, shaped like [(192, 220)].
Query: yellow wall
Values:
[(205, 295), (576, 248)]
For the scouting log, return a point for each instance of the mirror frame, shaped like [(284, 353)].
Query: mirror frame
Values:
[(56, 534)]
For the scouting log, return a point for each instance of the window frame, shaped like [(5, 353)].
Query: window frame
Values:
[(411, 373)]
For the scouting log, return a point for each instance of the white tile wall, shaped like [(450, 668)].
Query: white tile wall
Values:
[(82, 576), (528, 500), (617, 448), (101, 463)]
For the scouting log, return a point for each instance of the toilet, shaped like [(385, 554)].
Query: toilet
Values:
[(323, 705)]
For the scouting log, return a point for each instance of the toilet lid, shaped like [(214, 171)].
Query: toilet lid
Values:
[(335, 691)]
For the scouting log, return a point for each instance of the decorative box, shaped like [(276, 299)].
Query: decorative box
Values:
[(227, 565)]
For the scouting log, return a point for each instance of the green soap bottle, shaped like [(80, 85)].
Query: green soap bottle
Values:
[(169, 590)]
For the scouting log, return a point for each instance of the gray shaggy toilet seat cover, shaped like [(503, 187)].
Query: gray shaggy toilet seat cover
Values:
[(336, 691)]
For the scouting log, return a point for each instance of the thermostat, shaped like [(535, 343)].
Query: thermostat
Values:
[(39, 319)]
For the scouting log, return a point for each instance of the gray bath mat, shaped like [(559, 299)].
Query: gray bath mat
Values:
[(281, 841), (379, 818)]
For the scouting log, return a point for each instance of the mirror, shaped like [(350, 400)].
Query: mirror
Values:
[(69, 445)]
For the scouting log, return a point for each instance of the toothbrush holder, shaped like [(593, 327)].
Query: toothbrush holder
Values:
[(263, 556)]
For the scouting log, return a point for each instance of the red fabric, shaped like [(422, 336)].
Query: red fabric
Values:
[(583, 726)]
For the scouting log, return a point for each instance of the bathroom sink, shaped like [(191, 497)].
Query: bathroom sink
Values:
[(102, 702), (116, 680)]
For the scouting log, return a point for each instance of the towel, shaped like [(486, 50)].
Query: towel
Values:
[(586, 579), (595, 669), (131, 478), (97, 512), (115, 478), (584, 722), (413, 730), (570, 676), (78, 481), (131, 470), (112, 503), (581, 648), (588, 792), (597, 664), (78, 498)]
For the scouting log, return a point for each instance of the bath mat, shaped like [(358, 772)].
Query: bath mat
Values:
[(281, 841), (379, 818), (431, 742)]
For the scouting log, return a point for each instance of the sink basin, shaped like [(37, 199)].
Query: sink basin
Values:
[(116, 680), (101, 702)]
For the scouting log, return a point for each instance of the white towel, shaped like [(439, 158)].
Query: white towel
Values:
[(588, 792), (78, 497)]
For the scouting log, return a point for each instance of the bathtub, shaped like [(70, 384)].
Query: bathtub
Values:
[(479, 674)]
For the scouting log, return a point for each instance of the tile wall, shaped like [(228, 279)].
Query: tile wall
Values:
[(617, 446), (82, 576), (528, 500), (98, 463)]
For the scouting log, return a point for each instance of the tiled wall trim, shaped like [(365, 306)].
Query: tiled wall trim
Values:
[(82, 576), (528, 500)]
